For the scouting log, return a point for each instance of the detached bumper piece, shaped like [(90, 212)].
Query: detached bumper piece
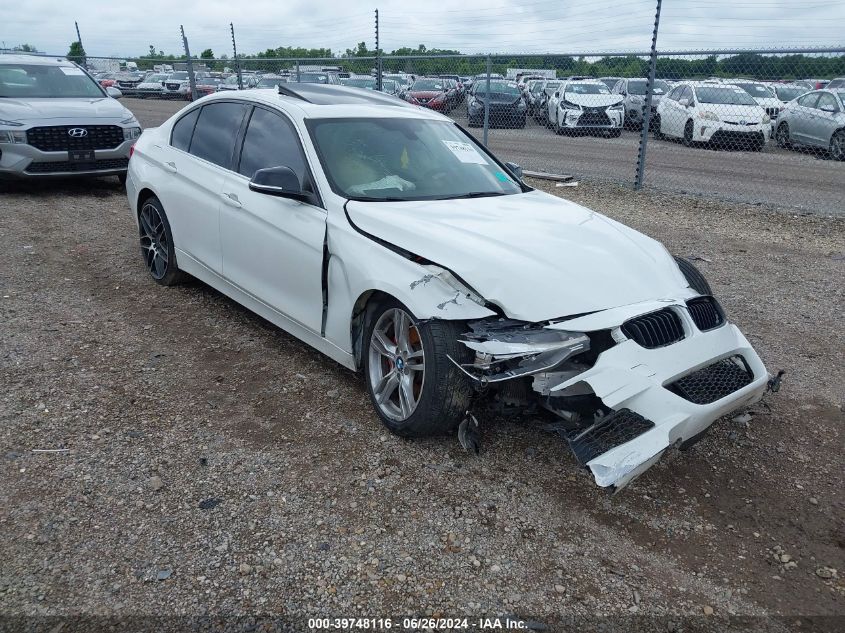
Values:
[(715, 381), (609, 432)]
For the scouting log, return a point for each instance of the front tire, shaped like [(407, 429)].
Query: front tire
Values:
[(837, 145), (157, 248), (782, 136), (688, 131), (415, 389)]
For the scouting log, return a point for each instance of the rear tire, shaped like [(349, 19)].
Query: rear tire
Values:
[(410, 404), (693, 276), (654, 124), (157, 248)]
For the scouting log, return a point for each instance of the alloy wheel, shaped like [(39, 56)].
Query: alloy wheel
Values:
[(396, 364), (154, 245), (782, 135)]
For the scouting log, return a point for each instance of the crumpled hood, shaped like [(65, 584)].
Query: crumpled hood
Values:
[(23, 110), (536, 256), (593, 101)]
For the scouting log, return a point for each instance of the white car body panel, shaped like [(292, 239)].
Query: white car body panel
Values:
[(633, 268), (531, 256)]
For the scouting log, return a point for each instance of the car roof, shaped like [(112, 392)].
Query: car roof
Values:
[(326, 101), (39, 60)]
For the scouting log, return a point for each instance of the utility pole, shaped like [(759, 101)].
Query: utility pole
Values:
[(237, 62), (649, 89), (190, 66), (378, 58), (79, 39)]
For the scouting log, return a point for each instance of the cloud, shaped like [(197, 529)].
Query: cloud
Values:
[(121, 28)]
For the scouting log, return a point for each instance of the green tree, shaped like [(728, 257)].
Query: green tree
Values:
[(76, 53), (25, 48), (207, 54)]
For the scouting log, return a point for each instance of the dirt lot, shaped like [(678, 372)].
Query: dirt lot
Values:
[(217, 466)]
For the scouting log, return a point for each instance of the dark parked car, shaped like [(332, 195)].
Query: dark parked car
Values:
[(506, 105)]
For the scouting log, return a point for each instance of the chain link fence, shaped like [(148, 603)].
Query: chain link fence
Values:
[(763, 126)]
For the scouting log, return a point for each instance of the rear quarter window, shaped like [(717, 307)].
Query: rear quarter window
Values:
[(180, 137)]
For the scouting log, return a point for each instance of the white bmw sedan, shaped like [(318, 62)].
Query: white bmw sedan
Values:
[(384, 236)]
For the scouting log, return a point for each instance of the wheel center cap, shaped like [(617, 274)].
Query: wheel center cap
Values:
[(400, 363)]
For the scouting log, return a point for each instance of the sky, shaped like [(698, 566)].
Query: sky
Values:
[(123, 29)]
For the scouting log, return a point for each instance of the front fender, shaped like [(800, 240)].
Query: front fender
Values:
[(358, 266)]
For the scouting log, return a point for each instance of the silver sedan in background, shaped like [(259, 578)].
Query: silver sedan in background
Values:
[(816, 119)]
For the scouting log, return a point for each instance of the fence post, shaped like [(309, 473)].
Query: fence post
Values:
[(297, 72), (378, 58), (79, 39), (237, 61), (191, 79), (649, 88), (487, 100)]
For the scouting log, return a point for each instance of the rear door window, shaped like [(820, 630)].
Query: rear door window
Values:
[(809, 101), (180, 138), (216, 131)]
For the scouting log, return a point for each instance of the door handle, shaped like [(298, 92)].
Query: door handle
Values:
[(170, 166), (232, 200)]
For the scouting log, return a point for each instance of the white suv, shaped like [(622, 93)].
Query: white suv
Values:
[(56, 120), (386, 237)]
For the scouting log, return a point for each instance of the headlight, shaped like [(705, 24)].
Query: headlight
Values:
[(130, 133), (13, 136), (618, 106), (568, 105), (6, 123), (637, 100), (131, 119), (710, 116), (520, 105), (766, 119)]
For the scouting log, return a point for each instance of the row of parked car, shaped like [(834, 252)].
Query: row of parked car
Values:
[(723, 113)]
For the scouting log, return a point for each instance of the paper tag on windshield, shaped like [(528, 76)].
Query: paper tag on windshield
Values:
[(465, 152), (71, 71)]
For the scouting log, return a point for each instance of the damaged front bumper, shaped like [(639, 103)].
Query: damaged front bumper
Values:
[(651, 397)]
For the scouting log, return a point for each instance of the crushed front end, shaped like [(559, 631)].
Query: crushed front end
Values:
[(625, 384)]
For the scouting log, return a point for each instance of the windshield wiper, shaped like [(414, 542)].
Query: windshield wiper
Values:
[(476, 194)]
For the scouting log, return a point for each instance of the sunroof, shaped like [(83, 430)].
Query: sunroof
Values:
[(323, 94)]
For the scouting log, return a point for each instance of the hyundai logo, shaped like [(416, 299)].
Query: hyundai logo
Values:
[(77, 132), (742, 121)]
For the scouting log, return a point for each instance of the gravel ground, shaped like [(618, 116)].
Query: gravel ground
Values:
[(217, 466)]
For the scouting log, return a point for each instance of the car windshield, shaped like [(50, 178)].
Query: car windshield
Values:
[(178, 76), (788, 93), (270, 82), (361, 82), (841, 95), (389, 159), (428, 84), (588, 89), (43, 81), (637, 87), (727, 96), (388, 85), (155, 78), (502, 88), (756, 90)]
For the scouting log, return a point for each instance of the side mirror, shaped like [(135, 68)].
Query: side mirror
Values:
[(114, 93), (684, 101), (515, 169), (557, 94), (278, 181)]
